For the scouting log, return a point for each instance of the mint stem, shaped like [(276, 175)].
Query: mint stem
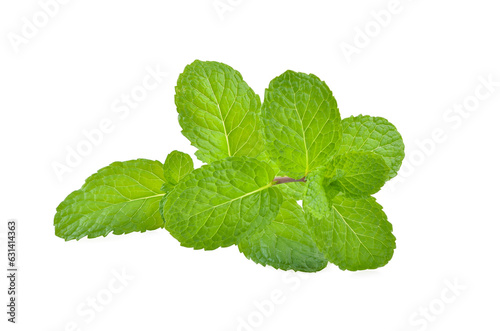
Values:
[(281, 180)]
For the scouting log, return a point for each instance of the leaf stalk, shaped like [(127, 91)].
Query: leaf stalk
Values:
[(281, 180)]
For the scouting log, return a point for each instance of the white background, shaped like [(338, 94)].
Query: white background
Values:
[(65, 79)]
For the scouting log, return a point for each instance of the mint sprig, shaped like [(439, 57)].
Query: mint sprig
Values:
[(260, 160)]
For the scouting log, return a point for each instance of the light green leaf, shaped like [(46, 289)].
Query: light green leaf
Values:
[(296, 190), (317, 207), (285, 243), (358, 173), (301, 123), (363, 237), (120, 198), (353, 233), (373, 134), (167, 189), (218, 111), (177, 165), (220, 203)]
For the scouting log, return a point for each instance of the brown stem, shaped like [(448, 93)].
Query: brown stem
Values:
[(281, 180)]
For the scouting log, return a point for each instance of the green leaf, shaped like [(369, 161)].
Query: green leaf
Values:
[(218, 111), (285, 243), (296, 190), (363, 237), (353, 233), (373, 134), (316, 203), (177, 165), (301, 123), (220, 203), (120, 198), (163, 200), (358, 173)]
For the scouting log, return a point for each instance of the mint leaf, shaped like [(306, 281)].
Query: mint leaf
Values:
[(353, 233), (218, 111), (285, 243), (362, 235), (296, 190), (301, 123), (220, 203), (317, 205), (373, 134), (176, 166), (358, 173), (120, 198)]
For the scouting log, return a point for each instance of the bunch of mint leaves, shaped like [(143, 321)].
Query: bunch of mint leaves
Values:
[(261, 160)]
